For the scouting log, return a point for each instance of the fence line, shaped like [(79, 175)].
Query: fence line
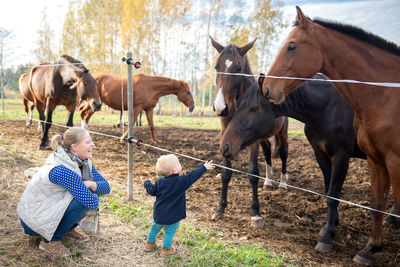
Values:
[(239, 171), (384, 84)]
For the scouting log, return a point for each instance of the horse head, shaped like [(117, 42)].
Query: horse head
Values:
[(232, 59), (77, 77), (253, 120), (184, 95), (300, 56)]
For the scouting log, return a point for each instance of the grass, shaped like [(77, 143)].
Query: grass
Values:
[(206, 248), (13, 109)]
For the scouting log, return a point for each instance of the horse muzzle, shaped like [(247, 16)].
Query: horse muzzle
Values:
[(225, 151), (95, 106), (278, 100)]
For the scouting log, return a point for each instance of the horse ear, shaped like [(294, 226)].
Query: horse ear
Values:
[(216, 45), (243, 50), (301, 19), (261, 80)]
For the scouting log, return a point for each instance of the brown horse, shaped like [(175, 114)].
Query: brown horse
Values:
[(60, 83), (26, 97), (146, 92), (233, 60), (346, 52)]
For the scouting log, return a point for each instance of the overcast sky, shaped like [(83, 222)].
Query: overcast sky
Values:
[(23, 17)]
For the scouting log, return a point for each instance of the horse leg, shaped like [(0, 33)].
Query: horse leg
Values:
[(40, 108), (281, 146), (45, 137), (225, 179), (391, 220), (135, 114), (31, 114), (334, 176), (70, 121), (119, 122), (149, 116), (379, 178), (25, 102), (266, 147), (256, 219)]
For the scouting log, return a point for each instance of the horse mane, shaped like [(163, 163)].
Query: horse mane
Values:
[(360, 34), (75, 63)]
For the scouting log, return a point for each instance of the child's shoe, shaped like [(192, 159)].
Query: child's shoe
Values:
[(150, 246), (168, 251)]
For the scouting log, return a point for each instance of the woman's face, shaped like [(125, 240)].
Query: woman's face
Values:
[(84, 147)]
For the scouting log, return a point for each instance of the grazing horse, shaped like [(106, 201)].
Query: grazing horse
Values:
[(146, 92), (328, 125), (26, 97), (60, 83), (346, 52), (233, 59)]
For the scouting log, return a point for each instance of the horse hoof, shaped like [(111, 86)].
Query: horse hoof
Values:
[(257, 222), (282, 186), (217, 216), (363, 260), (323, 247), (268, 187)]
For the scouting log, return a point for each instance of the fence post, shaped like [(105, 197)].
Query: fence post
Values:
[(130, 125)]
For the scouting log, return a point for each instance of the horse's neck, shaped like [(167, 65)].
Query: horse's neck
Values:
[(304, 104), (370, 64), (163, 86)]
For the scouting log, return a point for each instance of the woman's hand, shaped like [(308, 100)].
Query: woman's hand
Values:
[(91, 185)]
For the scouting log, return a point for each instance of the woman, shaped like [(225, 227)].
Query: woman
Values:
[(62, 191)]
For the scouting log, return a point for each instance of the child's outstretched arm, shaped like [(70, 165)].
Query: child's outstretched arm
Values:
[(209, 166), (150, 188)]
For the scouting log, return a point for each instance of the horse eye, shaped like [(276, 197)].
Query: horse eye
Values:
[(291, 47), (253, 109)]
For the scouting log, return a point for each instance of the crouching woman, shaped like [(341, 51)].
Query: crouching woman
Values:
[(62, 191)]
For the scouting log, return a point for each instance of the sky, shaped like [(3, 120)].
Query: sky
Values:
[(23, 18)]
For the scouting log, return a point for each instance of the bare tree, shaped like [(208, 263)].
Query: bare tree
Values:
[(4, 36), (45, 40)]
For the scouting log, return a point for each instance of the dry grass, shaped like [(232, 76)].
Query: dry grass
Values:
[(119, 243)]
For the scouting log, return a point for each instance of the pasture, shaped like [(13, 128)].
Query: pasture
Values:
[(292, 218)]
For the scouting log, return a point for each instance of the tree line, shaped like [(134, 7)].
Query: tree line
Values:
[(169, 37)]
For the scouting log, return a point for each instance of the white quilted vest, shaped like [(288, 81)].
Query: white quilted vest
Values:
[(43, 203)]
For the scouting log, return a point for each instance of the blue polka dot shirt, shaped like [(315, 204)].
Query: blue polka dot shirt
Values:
[(72, 182)]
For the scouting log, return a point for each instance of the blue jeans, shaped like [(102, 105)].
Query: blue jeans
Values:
[(74, 213), (169, 233)]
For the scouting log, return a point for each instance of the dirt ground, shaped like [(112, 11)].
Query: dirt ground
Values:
[(292, 218)]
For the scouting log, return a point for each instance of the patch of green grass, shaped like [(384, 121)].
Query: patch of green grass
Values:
[(208, 249)]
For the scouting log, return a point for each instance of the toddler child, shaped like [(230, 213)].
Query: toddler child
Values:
[(170, 206)]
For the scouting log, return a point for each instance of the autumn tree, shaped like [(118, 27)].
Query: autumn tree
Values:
[(44, 50), (266, 22)]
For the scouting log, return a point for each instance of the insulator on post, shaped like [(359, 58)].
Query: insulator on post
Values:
[(130, 139)]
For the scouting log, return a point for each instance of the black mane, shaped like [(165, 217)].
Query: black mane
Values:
[(361, 35)]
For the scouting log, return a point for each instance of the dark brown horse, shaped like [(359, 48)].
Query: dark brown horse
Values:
[(346, 52), (146, 92), (60, 83), (233, 60), (26, 97)]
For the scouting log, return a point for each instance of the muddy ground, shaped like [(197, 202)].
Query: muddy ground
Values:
[(292, 217)]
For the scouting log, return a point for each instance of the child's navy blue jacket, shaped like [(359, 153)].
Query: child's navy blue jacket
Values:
[(170, 205)]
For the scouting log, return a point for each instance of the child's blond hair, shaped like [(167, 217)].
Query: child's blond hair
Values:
[(166, 163)]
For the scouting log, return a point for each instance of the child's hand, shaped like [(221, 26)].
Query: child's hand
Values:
[(209, 166)]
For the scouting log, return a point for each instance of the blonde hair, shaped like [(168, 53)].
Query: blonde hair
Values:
[(71, 136), (166, 163)]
